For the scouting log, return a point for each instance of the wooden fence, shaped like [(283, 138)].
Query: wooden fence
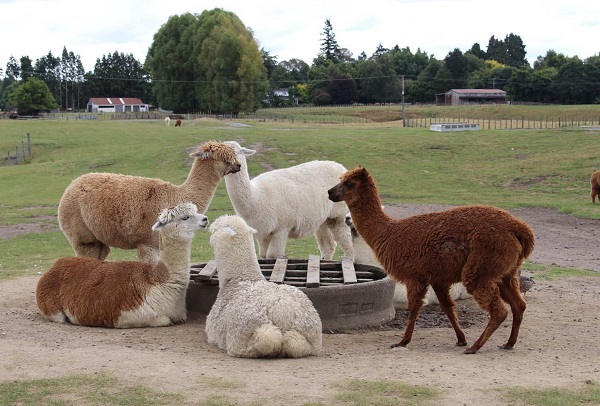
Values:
[(507, 124), (21, 155)]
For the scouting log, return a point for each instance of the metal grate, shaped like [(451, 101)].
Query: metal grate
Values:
[(297, 272)]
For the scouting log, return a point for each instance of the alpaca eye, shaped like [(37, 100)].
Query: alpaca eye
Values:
[(349, 185), (185, 218)]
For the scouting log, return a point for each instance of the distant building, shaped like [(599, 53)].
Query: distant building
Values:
[(116, 105), (458, 97)]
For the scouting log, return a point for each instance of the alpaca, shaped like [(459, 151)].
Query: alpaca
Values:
[(480, 246), (167, 121), (251, 317), (363, 254), (178, 123), (124, 294), (290, 203), (595, 184), (102, 210)]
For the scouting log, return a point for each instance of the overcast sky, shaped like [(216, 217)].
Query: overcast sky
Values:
[(293, 29)]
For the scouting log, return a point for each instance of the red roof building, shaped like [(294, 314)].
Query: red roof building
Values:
[(457, 97), (116, 105)]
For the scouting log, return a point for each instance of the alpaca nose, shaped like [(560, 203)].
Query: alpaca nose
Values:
[(236, 168), (332, 196)]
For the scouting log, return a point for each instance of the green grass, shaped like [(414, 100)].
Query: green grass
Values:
[(505, 168), (589, 394), (98, 389), (360, 392)]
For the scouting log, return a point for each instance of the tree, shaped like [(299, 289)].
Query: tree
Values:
[(209, 62), (26, 67), (516, 51), (33, 96), (422, 89), (379, 82), (496, 50), (329, 46), (477, 51)]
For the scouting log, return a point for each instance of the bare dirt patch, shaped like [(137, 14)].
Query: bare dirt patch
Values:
[(557, 345)]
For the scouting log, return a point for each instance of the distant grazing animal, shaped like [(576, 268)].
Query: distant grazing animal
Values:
[(595, 183), (102, 210), (480, 246), (124, 294), (363, 254), (178, 123), (252, 317), (290, 203), (168, 121)]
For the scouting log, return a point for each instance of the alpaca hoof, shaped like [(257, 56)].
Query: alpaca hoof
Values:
[(506, 347), (461, 344), (397, 345), (470, 351)]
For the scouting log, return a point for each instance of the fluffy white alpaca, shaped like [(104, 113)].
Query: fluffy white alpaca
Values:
[(122, 294), (167, 121), (252, 317), (290, 203)]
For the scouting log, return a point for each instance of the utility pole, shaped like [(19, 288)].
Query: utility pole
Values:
[(403, 116)]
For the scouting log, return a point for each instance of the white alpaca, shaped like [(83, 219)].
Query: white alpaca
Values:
[(252, 317), (363, 254), (168, 121), (102, 210), (126, 294), (290, 203)]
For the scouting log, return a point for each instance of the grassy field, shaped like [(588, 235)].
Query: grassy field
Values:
[(505, 168)]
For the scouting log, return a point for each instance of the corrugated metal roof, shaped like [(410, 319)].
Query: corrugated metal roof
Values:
[(116, 101), (467, 91)]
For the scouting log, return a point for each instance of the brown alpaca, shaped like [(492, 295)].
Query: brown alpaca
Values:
[(480, 246), (595, 183), (178, 123), (102, 210)]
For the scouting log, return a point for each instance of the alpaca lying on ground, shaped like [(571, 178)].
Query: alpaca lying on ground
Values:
[(124, 294), (595, 184), (252, 317), (363, 254), (290, 203), (480, 246), (168, 121), (102, 210)]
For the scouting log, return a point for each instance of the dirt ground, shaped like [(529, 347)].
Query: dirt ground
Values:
[(558, 344)]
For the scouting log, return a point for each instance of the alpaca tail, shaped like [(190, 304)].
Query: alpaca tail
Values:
[(268, 340), (296, 345), (526, 239)]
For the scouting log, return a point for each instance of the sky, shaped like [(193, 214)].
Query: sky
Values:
[(293, 29)]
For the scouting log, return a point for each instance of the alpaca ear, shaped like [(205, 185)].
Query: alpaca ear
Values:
[(230, 232), (252, 230), (157, 225), (363, 173), (247, 151)]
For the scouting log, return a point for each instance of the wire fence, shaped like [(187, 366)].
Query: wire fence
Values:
[(20, 155)]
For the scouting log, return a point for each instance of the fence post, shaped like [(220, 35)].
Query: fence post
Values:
[(28, 144)]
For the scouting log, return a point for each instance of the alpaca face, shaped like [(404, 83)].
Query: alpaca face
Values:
[(349, 184), (184, 218), (224, 155)]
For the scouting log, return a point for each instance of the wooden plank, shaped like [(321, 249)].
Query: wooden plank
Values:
[(278, 274), (208, 271), (312, 271), (348, 271)]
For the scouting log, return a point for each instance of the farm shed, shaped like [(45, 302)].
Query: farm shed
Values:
[(116, 105), (457, 97)]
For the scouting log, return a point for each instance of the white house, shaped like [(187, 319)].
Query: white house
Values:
[(116, 105)]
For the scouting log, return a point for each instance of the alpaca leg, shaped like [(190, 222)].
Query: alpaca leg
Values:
[(325, 241), (277, 244), (94, 249), (509, 290), (416, 293), (263, 245), (447, 306), (342, 235), (488, 298)]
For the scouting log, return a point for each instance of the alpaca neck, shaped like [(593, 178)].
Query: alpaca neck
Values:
[(241, 191), (201, 183), (175, 254), (367, 215), (236, 268)]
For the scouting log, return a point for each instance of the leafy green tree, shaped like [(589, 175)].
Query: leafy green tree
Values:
[(26, 67), (516, 51), (496, 50), (47, 68), (477, 51), (423, 90), (13, 69), (571, 83), (407, 63), (209, 62), (33, 97), (379, 82), (552, 59)]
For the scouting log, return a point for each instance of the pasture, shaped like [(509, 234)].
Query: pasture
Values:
[(509, 169)]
